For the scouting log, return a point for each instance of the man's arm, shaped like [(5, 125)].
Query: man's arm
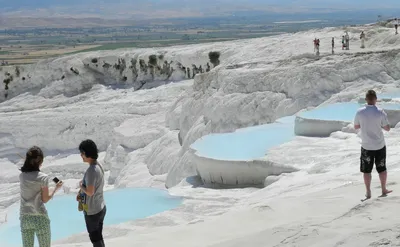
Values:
[(89, 190), (90, 179), (385, 121), (357, 125)]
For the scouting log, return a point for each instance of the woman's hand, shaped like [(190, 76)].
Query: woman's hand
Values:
[(59, 185)]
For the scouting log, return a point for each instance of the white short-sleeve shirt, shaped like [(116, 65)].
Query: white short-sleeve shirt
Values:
[(371, 119)]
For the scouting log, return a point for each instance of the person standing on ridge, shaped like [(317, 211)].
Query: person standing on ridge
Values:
[(371, 120), (315, 44), (333, 45), (362, 37), (347, 40), (396, 24), (343, 42), (91, 196)]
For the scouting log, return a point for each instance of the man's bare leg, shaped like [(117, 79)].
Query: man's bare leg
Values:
[(383, 178), (367, 181)]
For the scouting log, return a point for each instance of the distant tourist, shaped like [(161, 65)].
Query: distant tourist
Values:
[(347, 40), (371, 120), (396, 24), (90, 197), (333, 45), (343, 43), (316, 45), (34, 186), (362, 37)]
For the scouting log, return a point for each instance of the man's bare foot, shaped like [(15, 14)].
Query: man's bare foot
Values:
[(367, 196), (385, 192)]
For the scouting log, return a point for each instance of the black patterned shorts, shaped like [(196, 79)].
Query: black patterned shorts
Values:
[(368, 158)]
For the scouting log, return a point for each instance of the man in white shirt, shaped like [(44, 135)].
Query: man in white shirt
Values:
[(371, 120)]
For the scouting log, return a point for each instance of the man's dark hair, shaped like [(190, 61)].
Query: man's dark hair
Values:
[(33, 160), (371, 95), (89, 149)]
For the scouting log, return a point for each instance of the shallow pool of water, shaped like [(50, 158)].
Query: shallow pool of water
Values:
[(341, 111), (254, 142), (122, 205), (247, 143), (391, 95), (334, 112)]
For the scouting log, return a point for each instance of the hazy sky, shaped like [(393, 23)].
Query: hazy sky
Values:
[(109, 8), (311, 3)]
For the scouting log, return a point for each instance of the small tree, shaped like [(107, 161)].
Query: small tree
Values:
[(94, 60), (153, 60), (214, 58), (17, 71), (7, 81), (133, 63), (75, 71), (106, 65), (161, 57), (143, 66)]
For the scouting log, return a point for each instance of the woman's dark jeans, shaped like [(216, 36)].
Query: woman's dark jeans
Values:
[(94, 225)]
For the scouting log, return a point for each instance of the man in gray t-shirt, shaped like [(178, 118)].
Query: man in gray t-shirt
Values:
[(371, 120), (91, 195), (94, 177)]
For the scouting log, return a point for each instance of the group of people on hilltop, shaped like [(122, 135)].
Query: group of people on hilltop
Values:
[(346, 39), (35, 192), (345, 43)]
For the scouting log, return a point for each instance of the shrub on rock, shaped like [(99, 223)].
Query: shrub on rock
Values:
[(153, 60), (17, 71), (7, 81), (214, 57)]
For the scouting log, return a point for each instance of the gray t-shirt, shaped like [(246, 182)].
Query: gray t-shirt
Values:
[(94, 176), (371, 119), (31, 184)]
